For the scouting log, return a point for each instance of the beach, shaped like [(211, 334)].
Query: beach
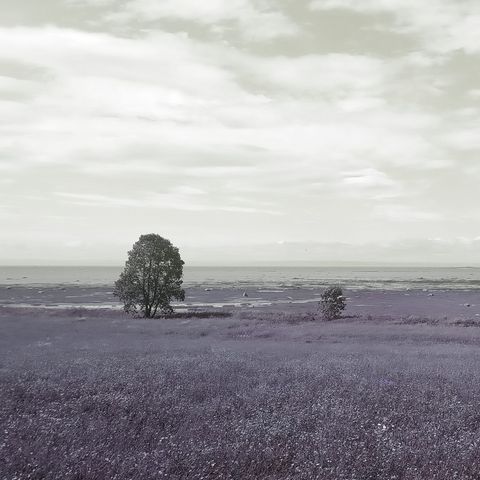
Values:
[(431, 303)]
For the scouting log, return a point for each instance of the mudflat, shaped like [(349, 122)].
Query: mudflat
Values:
[(432, 303)]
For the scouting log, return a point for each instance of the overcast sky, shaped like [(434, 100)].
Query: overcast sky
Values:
[(242, 130)]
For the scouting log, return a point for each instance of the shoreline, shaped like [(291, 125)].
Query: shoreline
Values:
[(420, 302)]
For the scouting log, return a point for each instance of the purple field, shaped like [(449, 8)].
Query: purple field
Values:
[(255, 395)]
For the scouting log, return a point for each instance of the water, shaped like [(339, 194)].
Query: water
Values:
[(391, 278)]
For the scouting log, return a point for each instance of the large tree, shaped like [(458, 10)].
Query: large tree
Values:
[(152, 277)]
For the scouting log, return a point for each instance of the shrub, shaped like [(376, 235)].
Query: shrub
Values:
[(152, 277), (333, 302)]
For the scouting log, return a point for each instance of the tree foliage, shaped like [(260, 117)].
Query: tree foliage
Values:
[(332, 302), (152, 277)]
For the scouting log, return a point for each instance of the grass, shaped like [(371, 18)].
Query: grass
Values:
[(251, 396)]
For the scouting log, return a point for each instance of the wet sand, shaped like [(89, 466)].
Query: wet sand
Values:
[(438, 304)]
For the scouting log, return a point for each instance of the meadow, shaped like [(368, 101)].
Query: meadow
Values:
[(96, 395)]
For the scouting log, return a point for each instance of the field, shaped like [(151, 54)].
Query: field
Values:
[(255, 395)]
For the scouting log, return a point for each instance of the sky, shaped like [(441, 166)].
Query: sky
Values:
[(245, 131)]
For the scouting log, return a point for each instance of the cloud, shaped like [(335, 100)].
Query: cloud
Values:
[(442, 26), (179, 198), (467, 139), (253, 20), (113, 90), (405, 213), (367, 178), (213, 11), (337, 75), (215, 142)]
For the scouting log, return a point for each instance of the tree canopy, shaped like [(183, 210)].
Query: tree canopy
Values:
[(152, 277)]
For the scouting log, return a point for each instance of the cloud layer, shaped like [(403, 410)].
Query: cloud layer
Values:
[(237, 126)]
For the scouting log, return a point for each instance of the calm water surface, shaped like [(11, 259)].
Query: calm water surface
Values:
[(268, 277)]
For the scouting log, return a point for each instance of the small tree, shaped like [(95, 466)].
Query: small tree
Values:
[(332, 303), (152, 277)]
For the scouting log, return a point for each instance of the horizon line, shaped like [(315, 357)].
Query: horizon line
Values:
[(303, 264)]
